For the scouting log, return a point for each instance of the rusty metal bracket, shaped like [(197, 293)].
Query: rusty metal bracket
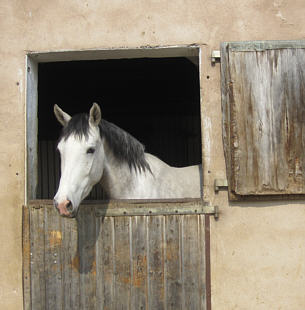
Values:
[(220, 184)]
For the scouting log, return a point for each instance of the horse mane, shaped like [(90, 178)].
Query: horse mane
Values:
[(125, 148)]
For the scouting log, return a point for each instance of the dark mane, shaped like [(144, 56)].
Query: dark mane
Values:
[(124, 146)]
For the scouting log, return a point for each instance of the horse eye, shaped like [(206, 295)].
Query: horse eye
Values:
[(91, 150)]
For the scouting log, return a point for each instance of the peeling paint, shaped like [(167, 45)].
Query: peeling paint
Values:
[(279, 15)]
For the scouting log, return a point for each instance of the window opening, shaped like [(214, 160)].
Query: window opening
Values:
[(157, 100)]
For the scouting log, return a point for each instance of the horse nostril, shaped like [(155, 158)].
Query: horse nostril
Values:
[(69, 206)]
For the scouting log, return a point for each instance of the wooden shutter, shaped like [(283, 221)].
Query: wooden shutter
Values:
[(263, 102)]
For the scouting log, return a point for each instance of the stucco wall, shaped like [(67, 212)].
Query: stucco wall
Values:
[(257, 250)]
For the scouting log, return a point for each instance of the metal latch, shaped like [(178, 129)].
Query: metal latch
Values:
[(216, 213), (215, 57), (220, 184)]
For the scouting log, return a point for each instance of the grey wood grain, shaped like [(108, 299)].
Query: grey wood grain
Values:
[(26, 258), (263, 95), (122, 262), (52, 261), (173, 262), (70, 262), (138, 292), (105, 263), (38, 291), (156, 262), (87, 263), (191, 267)]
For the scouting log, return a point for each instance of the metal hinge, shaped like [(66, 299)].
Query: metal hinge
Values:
[(216, 213), (220, 184), (215, 57)]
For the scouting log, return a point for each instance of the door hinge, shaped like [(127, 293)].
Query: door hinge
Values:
[(215, 57), (220, 184)]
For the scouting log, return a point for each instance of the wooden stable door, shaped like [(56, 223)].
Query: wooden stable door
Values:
[(116, 256)]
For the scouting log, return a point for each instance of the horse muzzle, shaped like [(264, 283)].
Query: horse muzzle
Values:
[(64, 208)]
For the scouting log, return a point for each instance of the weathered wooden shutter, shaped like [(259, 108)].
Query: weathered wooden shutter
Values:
[(263, 101)]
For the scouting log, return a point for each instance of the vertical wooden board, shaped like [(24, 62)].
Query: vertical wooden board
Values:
[(173, 263), (53, 264), (197, 152), (31, 125), (87, 263), (122, 260), (203, 252), (105, 263), (193, 263), (155, 235), (26, 258), (44, 170), (39, 174), (139, 263), (70, 265), (226, 93), (37, 254)]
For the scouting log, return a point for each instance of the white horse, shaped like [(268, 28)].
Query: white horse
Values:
[(93, 150)]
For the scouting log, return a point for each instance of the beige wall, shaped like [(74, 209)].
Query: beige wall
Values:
[(257, 250)]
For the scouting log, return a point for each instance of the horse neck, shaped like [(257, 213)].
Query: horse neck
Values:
[(118, 180)]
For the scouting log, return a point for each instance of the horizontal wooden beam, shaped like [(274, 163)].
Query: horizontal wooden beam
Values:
[(140, 207)]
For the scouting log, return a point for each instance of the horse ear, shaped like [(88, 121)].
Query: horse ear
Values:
[(95, 115), (61, 116)]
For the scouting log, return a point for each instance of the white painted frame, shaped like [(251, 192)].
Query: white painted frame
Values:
[(192, 52)]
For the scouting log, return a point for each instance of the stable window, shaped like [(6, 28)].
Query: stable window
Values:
[(154, 94)]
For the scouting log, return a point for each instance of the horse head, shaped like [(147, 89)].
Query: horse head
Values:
[(82, 158)]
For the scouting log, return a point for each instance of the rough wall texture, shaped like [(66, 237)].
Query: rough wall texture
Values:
[(257, 250)]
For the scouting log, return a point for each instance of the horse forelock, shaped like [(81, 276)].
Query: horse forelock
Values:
[(77, 126), (124, 146)]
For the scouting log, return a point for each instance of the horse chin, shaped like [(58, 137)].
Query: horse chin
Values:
[(74, 213)]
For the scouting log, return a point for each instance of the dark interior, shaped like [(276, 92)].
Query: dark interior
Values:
[(157, 100)]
